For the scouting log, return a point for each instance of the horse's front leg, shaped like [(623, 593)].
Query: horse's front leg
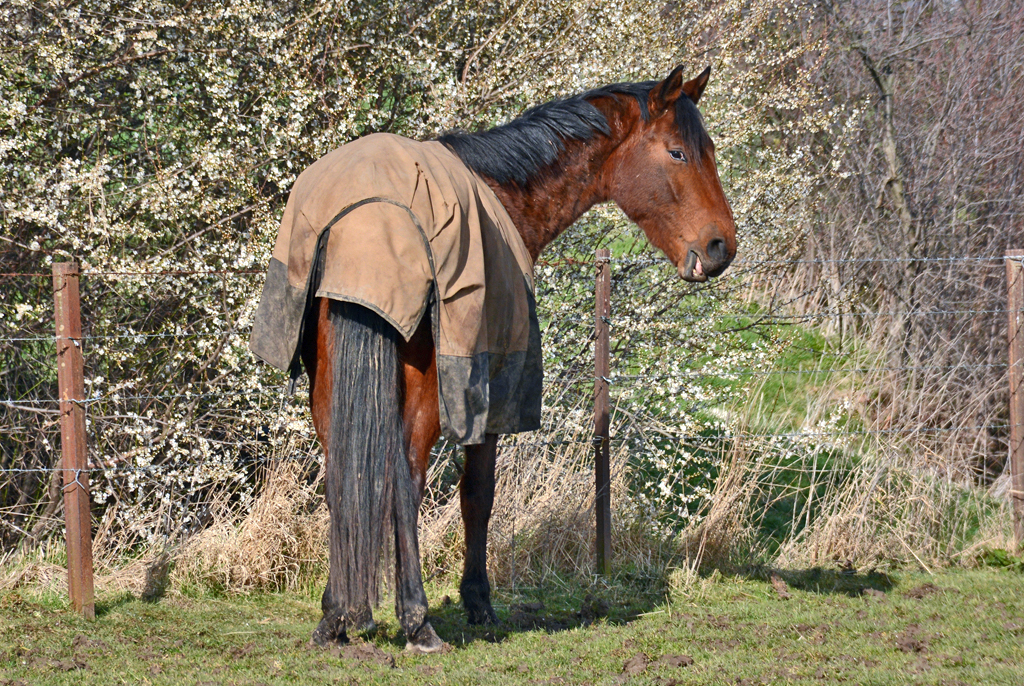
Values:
[(476, 493)]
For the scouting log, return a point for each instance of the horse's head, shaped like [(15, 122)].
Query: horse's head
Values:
[(664, 178)]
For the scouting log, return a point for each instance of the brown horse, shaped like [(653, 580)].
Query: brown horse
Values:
[(641, 145)]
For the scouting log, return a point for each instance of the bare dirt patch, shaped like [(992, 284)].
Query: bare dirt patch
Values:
[(243, 651), (366, 652), (357, 651), (912, 640), (82, 643), (923, 591), (675, 660), (635, 665)]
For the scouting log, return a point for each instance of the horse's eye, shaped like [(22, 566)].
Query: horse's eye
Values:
[(677, 155)]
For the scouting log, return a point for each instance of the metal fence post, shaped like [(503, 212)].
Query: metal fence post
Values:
[(71, 386), (602, 468)]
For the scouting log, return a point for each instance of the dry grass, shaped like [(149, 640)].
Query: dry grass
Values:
[(542, 525), (277, 545), (888, 514), (45, 569), (862, 499), (543, 519), (867, 512), (868, 504)]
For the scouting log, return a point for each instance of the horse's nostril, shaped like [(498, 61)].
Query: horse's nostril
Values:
[(717, 251)]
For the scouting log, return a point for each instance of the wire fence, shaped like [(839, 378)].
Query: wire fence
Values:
[(180, 417)]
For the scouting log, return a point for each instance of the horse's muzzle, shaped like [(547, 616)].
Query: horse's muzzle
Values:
[(709, 262), (692, 268)]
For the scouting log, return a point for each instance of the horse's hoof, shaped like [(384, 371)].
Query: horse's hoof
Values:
[(426, 641), (476, 599), (325, 636), (483, 616)]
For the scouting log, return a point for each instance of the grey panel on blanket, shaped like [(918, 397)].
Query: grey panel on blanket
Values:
[(277, 324), (491, 393)]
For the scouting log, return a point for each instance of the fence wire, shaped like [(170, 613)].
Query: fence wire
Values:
[(131, 425)]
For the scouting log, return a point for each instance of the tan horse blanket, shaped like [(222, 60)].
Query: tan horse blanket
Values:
[(405, 228)]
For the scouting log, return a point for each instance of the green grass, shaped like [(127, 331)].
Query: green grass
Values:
[(803, 371), (963, 628)]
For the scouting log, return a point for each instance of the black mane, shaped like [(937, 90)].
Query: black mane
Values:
[(522, 149)]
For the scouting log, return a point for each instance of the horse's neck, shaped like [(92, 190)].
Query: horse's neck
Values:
[(577, 182)]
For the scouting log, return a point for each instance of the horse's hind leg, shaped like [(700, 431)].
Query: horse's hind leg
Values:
[(410, 598), (318, 357), (355, 398), (476, 493), (422, 429)]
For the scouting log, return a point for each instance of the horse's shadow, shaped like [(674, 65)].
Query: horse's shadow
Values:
[(547, 609), (553, 609), (841, 581)]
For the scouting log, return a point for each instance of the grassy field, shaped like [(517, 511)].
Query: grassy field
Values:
[(809, 627)]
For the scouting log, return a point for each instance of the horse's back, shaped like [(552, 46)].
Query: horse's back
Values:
[(396, 225)]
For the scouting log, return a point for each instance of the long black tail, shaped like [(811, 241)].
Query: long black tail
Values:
[(367, 472)]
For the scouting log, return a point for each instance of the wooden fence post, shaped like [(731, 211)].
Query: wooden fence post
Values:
[(1015, 331), (71, 386), (602, 468)]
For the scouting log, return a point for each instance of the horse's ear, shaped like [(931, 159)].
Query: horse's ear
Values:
[(668, 91), (694, 88)]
